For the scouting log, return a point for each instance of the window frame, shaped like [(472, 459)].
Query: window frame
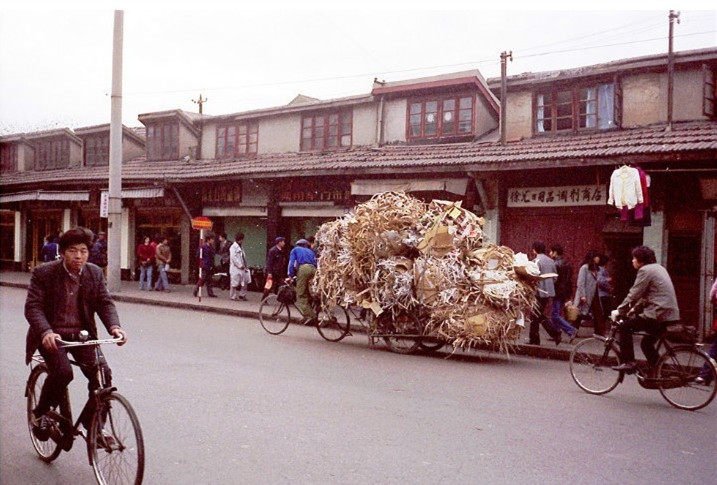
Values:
[(440, 111), (158, 148), (245, 140), (97, 150), (52, 154), (709, 91), (8, 157), (580, 113), (335, 124)]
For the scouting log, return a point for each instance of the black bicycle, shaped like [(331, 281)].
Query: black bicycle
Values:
[(332, 322), (685, 375), (115, 447)]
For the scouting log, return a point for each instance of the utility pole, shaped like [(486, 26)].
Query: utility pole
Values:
[(504, 56), (200, 102), (671, 69), (114, 209)]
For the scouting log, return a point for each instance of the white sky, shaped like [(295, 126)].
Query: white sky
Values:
[(55, 65)]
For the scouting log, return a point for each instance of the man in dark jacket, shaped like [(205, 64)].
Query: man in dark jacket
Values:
[(206, 252), (563, 291), (98, 253), (276, 264), (62, 300)]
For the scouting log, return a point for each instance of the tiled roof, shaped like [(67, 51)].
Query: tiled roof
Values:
[(698, 139)]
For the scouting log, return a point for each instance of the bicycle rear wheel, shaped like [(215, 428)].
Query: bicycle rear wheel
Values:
[(590, 366), (333, 323), (116, 443), (677, 373), (274, 315), (48, 449), (403, 326)]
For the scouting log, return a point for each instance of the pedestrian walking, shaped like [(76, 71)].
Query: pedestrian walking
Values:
[(240, 275), (224, 257), (544, 292), (98, 253), (276, 264), (563, 290), (587, 298), (164, 257), (50, 250), (145, 255), (207, 266)]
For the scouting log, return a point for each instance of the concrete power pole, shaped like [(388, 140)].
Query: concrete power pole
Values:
[(114, 212)]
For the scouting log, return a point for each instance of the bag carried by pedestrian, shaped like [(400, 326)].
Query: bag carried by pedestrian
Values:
[(571, 312)]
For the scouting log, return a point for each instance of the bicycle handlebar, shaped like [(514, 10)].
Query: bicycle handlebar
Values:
[(66, 343)]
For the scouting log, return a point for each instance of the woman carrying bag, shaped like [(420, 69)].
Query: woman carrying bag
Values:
[(587, 297)]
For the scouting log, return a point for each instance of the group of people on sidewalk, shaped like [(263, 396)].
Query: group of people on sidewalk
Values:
[(593, 294), (151, 252)]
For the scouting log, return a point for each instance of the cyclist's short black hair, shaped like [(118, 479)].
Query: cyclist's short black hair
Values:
[(557, 248), (539, 247), (644, 255), (77, 235)]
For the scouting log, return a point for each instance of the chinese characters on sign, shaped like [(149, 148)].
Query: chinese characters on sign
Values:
[(222, 194), (557, 196)]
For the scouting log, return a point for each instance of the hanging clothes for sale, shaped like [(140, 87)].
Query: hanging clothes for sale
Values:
[(625, 188)]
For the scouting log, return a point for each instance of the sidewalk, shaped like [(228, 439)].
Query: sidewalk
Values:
[(181, 297)]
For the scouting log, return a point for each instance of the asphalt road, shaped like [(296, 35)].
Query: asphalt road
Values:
[(223, 402)]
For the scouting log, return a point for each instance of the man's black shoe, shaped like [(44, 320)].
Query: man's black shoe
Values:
[(194, 292), (627, 367), (41, 427), (212, 295)]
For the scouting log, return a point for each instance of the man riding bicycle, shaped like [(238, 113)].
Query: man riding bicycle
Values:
[(63, 297), (650, 306), (302, 264)]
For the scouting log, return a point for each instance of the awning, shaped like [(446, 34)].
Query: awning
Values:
[(71, 195), (245, 211), (375, 186), (141, 193), (310, 210)]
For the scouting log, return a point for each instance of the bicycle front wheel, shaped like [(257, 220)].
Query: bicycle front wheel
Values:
[(116, 443), (590, 366), (47, 448), (333, 323), (677, 376), (274, 315)]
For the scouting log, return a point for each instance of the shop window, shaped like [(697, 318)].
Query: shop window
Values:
[(592, 107), (709, 91), (51, 154), (7, 235), (237, 140), (163, 141), (440, 117), (326, 131), (97, 150), (8, 157)]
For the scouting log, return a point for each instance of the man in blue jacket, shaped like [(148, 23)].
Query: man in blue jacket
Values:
[(302, 264)]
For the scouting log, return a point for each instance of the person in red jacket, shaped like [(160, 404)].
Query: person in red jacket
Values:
[(145, 256)]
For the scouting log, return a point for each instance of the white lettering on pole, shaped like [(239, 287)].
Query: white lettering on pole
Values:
[(104, 204)]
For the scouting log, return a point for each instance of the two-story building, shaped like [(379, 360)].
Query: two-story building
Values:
[(285, 170)]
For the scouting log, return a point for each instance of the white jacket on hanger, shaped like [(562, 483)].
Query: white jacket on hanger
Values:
[(625, 188)]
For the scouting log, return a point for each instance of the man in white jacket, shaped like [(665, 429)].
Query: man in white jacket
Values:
[(238, 269)]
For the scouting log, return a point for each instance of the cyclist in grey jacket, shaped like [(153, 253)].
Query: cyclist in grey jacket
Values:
[(650, 305)]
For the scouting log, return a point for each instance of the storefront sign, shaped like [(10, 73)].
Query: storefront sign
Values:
[(217, 195), (573, 195), (337, 192)]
